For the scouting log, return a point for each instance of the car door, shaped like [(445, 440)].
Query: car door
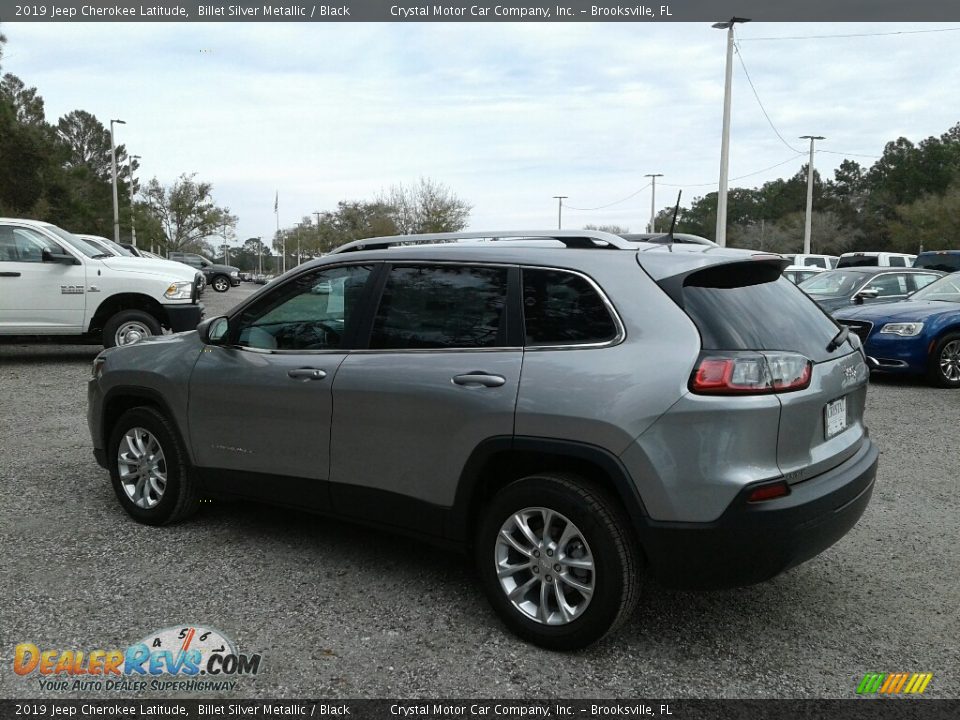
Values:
[(440, 376), (38, 296), (260, 402)]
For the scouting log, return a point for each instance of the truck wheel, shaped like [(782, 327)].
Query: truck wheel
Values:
[(128, 327), (221, 283), (148, 468), (557, 560)]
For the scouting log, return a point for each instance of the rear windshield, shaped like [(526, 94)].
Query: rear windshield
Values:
[(859, 261), (947, 262), (749, 306)]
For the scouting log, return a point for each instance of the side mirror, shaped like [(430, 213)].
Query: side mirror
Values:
[(214, 330), (62, 258), (868, 294)]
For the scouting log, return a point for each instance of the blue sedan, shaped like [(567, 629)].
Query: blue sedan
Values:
[(920, 335)]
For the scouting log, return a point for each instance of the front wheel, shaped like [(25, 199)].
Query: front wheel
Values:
[(148, 468), (221, 284), (128, 327), (944, 368), (557, 561)]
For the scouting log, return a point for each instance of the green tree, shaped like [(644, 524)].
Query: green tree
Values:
[(186, 212), (931, 222)]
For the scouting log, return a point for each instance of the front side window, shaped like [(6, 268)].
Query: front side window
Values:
[(441, 306), (315, 311), (19, 244), (561, 308), (887, 285)]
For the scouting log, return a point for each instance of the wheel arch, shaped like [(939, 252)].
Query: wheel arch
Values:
[(498, 461), (125, 397), (113, 304)]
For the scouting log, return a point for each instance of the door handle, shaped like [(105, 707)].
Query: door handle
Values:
[(307, 374), (9, 274), (479, 379)]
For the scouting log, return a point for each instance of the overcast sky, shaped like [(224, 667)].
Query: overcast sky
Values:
[(506, 115)]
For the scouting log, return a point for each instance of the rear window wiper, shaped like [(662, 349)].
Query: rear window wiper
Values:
[(838, 339)]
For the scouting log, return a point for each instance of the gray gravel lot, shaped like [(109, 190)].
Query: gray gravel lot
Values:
[(341, 611)]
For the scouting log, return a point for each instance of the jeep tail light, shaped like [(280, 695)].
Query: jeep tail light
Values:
[(769, 491), (751, 373)]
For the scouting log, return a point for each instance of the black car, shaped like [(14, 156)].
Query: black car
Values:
[(835, 289), (947, 261)]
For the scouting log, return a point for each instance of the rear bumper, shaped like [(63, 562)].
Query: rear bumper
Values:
[(753, 542), (184, 317)]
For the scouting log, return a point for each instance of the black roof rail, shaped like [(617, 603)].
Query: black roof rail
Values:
[(581, 239)]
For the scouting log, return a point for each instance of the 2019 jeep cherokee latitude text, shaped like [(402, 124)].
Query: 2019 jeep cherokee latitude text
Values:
[(574, 408)]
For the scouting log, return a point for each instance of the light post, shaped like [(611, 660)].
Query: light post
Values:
[(653, 199), (260, 255), (725, 138), (560, 199), (133, 224), (808, 220), (319, 249), (113, 162)]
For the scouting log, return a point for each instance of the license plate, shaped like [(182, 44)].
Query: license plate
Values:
[(835, 418)]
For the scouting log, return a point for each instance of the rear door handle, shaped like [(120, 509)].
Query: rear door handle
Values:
[(479, 379), (307, 374), (9, 274)]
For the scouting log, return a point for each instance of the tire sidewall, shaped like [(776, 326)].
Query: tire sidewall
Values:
[(151, 421), (609, 587), (221, 284)]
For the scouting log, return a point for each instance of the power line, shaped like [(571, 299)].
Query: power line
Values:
[(853, 35), (603, 207), (760, 103), (740, 177), (837, 152)]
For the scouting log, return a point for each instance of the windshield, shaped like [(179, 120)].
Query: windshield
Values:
[(83, 246), (946, 289), (833, 282)]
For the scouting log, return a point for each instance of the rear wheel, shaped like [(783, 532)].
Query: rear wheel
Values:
[(557, 561), (944, 367), (128, 327), (148, 467)]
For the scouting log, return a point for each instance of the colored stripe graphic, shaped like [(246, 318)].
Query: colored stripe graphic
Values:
[(894, 683)]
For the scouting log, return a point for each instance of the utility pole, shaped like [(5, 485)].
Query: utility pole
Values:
[(113, 162), (319, 249), (133, 224), (560, 199), (808, 222), (653, 200), (260, 255), (725, 139)]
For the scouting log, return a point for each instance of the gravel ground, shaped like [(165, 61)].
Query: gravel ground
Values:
[(339, 611)]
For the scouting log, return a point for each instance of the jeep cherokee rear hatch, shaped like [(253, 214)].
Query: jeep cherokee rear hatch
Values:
[(761, 335)]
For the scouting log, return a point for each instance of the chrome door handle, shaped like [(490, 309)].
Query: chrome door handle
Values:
[(307, 374), (479, 380)]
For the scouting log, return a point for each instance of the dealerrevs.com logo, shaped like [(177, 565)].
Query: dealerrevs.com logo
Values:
[(184, 659)]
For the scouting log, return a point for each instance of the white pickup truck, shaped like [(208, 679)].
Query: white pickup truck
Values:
[(53, 283)]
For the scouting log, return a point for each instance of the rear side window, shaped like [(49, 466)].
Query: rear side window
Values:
[(897, 261), (561, 308), (815, 262), (441, 306), (947, 262), (749, 306), (859, 261)]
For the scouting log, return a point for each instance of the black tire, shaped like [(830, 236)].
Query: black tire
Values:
[(611, 543), (946, 346), (221, 283), (124, 319), (181, 494)]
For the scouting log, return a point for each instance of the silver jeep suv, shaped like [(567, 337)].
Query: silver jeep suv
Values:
[(574, 408)]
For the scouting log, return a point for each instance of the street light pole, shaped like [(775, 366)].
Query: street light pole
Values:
[(808, 221), (133, 224), (113, 162), (725, 138), (653, 199), (560, 199), (319, 249), (260, 255)]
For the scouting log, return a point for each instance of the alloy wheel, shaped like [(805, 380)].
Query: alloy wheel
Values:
[(950, 361), (142, 467)]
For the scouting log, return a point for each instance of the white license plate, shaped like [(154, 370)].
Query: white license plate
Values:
[(835, 418)]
